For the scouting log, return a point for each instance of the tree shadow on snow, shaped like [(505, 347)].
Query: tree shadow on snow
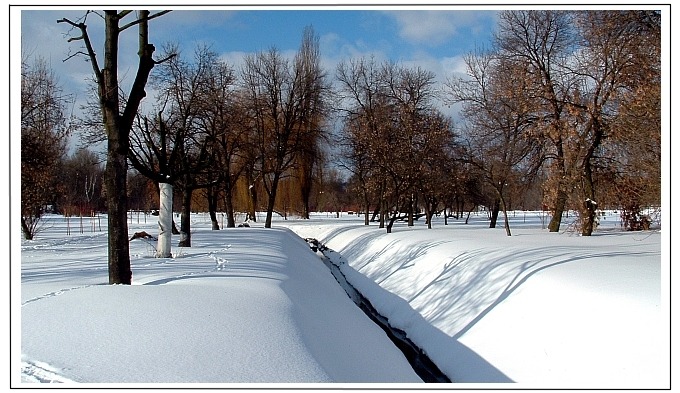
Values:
[(468, 287)]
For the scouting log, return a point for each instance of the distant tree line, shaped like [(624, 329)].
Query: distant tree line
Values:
[(561, 112)]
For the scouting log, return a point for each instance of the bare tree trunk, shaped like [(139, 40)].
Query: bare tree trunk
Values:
[(505, 216), (469, 212), (253, 203), (494, 213), (588, 215), (252, 195), (588, 211), (428, 217), (28, 234), (376, 212), (430, 207), (214, 224), (116, 186), (366, 207), (383, 214), (271, 201), (115, 179), (393, 218), (306, 172), (305, 205), (164, 249), (229, 204), (383, 205), (212, 196), (185, 223), (558, 210)]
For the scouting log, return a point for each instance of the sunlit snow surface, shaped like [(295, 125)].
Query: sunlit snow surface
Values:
[(256, 306)]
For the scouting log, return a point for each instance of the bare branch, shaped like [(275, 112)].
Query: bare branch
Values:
[(157, 14), (123, 14), (74, 55), (65, 20), (165, 59), (138, 21), (88, 45)]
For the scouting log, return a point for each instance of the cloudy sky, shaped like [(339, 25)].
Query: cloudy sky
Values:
[(400, 34), (434, 37)]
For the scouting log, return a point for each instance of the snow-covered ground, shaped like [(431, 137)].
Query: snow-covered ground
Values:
[(257, 306)]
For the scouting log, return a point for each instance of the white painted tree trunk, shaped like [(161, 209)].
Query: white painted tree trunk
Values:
[(165, 222)]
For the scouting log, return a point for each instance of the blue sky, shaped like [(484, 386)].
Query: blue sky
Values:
[(435, 38), (400, 35)]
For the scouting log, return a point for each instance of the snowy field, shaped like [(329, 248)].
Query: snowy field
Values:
[(258, 307)]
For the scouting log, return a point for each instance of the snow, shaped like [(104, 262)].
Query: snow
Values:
[(256, 306)]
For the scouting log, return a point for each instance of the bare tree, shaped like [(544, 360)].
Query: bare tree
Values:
[(438, 164), (411, 93), (82, 178), (498, 140), (187, 85), (363, 93), (154, 152), (175, 148), (44, 132), (222, 118), (356, 160), (285, 104), (391, 131), (117, 121), (314, 112)]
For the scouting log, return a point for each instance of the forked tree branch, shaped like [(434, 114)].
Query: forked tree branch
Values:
[(88, 45)]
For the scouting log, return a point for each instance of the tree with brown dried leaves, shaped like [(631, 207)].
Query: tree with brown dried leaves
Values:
[(44, 133)]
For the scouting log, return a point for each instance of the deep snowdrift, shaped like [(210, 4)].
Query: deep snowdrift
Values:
[(241, 306), (250, 305), (541, 309)]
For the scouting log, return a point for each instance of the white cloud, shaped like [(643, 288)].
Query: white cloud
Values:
[(435, 27), (424, 26), (192, 24), (454, 65), (235, 59)]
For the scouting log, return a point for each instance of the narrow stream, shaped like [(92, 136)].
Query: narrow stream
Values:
[(421, 363)]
